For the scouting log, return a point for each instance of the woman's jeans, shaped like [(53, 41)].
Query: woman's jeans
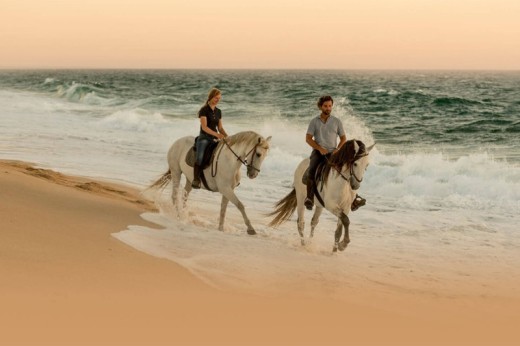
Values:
[(202, 143)]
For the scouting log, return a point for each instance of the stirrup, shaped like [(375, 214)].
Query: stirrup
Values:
[(357, 203), (308, 203)]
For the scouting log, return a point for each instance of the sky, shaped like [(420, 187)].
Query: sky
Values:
[(261, 34)]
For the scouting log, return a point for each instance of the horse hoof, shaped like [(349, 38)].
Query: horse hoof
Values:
[(342, 246), (251, 231)]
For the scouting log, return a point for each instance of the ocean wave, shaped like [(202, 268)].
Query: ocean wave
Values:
[(454, 101), (484, 125), (514, 128), (135, 120), (77, 91), (474, 181)]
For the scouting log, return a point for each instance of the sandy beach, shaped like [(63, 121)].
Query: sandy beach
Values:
[(66, 281)]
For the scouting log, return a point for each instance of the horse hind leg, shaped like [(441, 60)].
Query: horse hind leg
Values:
[(176, 178), (315, 219), (301, 220), (186, 193)]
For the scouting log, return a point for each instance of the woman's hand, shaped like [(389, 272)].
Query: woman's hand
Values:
[(220, 136)]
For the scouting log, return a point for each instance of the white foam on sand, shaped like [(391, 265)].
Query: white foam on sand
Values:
[(395, 250)]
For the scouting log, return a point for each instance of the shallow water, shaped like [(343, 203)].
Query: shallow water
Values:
[(443, 186)]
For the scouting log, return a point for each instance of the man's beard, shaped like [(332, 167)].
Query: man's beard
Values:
[(326, 112)]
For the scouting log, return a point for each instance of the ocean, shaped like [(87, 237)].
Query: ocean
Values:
[(442, 188)]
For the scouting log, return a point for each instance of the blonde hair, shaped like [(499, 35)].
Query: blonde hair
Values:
[(212, 93)]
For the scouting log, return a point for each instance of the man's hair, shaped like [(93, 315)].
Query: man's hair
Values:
[(324, 99)]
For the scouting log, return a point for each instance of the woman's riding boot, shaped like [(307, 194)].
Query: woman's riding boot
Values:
[(309, 201), (196, 177)]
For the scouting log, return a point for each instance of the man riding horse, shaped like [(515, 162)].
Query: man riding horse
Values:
[(322, 136)]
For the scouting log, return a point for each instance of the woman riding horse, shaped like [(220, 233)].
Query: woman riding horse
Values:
[(211, 129)]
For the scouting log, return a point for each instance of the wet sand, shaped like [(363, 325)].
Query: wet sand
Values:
[(65, 280)]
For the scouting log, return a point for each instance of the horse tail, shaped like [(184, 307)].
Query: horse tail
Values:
[(162, 182), (284, 209)]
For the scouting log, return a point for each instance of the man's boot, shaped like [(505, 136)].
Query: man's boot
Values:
[(309, 201), (196, 177), (357, 202)]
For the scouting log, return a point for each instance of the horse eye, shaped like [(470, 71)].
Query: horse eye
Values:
[(355, 164), (258, 155)]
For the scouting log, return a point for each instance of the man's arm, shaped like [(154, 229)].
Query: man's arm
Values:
[(342, 140), (314, 145)]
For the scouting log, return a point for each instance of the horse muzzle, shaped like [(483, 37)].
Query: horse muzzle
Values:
[(252, 172), (354, 183), (252, 175)]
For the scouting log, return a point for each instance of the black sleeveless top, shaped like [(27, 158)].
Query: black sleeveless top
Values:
[(212, 117)]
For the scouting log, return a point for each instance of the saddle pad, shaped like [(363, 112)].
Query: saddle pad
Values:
[(191, 156), (305, 176), (319, 174)]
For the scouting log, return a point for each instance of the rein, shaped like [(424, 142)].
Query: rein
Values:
[(244, 161), (351, 169)]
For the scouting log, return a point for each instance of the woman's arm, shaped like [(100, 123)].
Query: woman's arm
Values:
[(205, 128), (221, 128)]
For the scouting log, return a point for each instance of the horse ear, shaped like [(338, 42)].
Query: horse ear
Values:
[(259, 140), (356, 147), (268, 139), (371, 147)]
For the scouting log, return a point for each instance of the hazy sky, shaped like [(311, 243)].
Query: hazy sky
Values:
[(318, 34)]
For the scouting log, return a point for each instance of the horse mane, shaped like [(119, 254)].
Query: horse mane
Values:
[(249, 138), (346, 155)]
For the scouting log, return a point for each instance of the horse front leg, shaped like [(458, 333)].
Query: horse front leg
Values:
[(337, 235), (346, 239), (223, 208), (230, 195)]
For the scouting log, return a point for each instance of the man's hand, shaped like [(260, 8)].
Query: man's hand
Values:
[(323, 151)]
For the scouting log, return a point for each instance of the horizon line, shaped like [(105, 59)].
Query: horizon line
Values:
[(254, 69)]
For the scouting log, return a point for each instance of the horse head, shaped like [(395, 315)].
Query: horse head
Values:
[(359, 163), (353, 157), (251, 149), (258, 155)]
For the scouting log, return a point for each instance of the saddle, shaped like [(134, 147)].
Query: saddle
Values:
[(318, 177), (356, 203), (191, 155), (319, 174)]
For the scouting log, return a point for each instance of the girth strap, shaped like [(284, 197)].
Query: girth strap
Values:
[(204, 181), (317, 194)]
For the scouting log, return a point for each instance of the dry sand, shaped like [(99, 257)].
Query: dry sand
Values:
[(65, 281)]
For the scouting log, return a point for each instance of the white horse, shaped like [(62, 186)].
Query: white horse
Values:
[(342, 177), (223, 175)]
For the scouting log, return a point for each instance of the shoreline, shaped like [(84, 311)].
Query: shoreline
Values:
[(66, 280)]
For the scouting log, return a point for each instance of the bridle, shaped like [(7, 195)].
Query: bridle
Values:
[(351, 169), (243, 161)]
